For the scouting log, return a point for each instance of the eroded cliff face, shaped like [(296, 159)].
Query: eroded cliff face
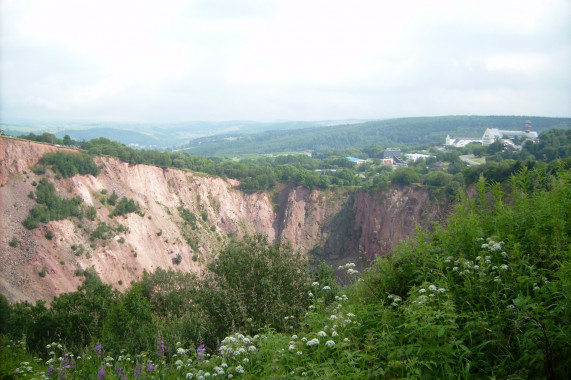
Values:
[(337, 226)]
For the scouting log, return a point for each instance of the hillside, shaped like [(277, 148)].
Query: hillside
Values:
[(422, 130), (185, 218)]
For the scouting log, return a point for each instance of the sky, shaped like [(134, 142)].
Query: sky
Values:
[(265, 60)]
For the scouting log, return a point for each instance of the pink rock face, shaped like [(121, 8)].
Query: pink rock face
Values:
[(370, 225)]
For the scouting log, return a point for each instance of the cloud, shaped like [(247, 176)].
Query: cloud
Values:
[(252, 59)]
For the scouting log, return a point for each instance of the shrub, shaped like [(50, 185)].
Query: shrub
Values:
[(49, 235), (252, 284), (14, 242)]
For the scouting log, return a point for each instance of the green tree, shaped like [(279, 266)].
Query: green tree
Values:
[(252, 284)]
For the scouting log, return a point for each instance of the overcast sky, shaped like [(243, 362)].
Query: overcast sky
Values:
[(176, 60)]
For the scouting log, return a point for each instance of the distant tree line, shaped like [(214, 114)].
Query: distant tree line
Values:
[(260, 174)]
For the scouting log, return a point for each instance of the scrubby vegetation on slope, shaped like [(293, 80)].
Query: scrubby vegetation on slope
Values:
[(486, 296), (50, 206)]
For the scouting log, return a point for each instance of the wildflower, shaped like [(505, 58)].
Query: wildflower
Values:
[(441, 290), (294, 337), (497, 279), (504, 267), (352, 271), (422, 291), (291, 347), (316, 284), (326, 287), (240, 369), (476, 267), (432, 288), (150, 366), (311, 307), (304, 339), (200, 352), (312, 342), (479, 258), (351, 315), (246, 360), (160, 347), (189, 375), (299, 353), (252, 348), (180, 351), (101, 373), (455, 269), (536, 288), (330, 343), (504, 254), (333, 317), (346, 340), (310, 295), (97, 350), (334, 334), (178, 362), (322, 334)]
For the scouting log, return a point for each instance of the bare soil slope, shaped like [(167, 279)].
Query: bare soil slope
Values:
[(335, 225)]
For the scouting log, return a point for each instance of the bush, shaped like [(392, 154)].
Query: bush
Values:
[(252, 284), (14, 242), (49, 235)]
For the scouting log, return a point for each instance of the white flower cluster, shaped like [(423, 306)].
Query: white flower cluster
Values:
[(349, 268), (396, 299), (237, 344), (493, 246), (312, 342)]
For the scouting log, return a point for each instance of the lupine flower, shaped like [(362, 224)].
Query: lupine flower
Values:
[(160, 347), (101, 373), (97, 350), (150, 366), (200, 352)]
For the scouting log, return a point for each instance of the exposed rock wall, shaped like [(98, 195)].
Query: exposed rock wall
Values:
[(334, 225)]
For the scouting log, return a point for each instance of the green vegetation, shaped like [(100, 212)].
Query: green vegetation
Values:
[(69, 164), (14, 242), (50, 206), (188, 217), (125, 206), (392, 132), (486, 296)]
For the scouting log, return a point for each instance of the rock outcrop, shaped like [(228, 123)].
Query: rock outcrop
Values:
[(335, 225)]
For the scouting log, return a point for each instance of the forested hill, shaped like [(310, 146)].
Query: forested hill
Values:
[(421, 130)]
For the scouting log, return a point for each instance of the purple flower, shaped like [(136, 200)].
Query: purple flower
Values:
[(161, 347), (50, 370), (137, 372), (200, 352), (97, 350), (101, 373), (119, 373), (150, 367)]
